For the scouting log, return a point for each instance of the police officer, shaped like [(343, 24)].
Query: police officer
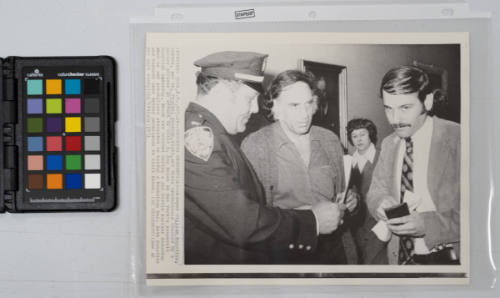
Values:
[(226, 217)]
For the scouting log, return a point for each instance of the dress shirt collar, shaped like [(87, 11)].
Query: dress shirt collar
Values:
[(361, 159)]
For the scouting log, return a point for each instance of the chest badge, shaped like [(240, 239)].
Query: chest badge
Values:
[(199, 141)]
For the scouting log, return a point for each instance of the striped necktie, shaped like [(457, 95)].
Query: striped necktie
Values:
[(406, 246)]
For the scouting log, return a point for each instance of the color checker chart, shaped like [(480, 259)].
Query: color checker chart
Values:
[(62, 132), (67, 155)]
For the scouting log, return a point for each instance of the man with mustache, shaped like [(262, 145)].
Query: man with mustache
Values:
[(419, 165), (226, 217)]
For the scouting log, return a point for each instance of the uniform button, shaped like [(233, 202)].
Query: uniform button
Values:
[(290, 246), (199, 115), (301, 246), (308, 247)]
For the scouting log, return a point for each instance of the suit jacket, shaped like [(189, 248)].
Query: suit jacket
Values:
[(261, 148), (226, 217), (443, 181)]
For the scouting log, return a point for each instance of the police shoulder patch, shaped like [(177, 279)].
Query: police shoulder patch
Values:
[(199, 141)]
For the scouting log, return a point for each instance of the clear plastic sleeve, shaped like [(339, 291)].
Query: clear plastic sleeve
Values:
[(482, 118)]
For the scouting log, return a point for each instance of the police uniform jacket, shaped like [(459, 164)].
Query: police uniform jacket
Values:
[(226, 217)]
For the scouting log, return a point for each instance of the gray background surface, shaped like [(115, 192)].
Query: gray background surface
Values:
[(94, 255)]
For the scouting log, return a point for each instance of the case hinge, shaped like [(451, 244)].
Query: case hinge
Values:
[(8, 104)]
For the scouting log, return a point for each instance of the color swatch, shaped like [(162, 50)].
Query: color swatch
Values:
[(63, 134)]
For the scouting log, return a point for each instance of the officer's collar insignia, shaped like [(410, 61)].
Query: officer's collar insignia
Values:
[(199, 141)]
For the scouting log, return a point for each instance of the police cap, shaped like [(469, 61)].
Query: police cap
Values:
[(247, 67)]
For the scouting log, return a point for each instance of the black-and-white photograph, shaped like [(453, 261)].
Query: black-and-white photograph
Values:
[(332, 153)]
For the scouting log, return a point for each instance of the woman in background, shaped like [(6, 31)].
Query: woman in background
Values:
[(362, 134)]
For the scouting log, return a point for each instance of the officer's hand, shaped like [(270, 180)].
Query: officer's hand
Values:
[(328, 216)]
